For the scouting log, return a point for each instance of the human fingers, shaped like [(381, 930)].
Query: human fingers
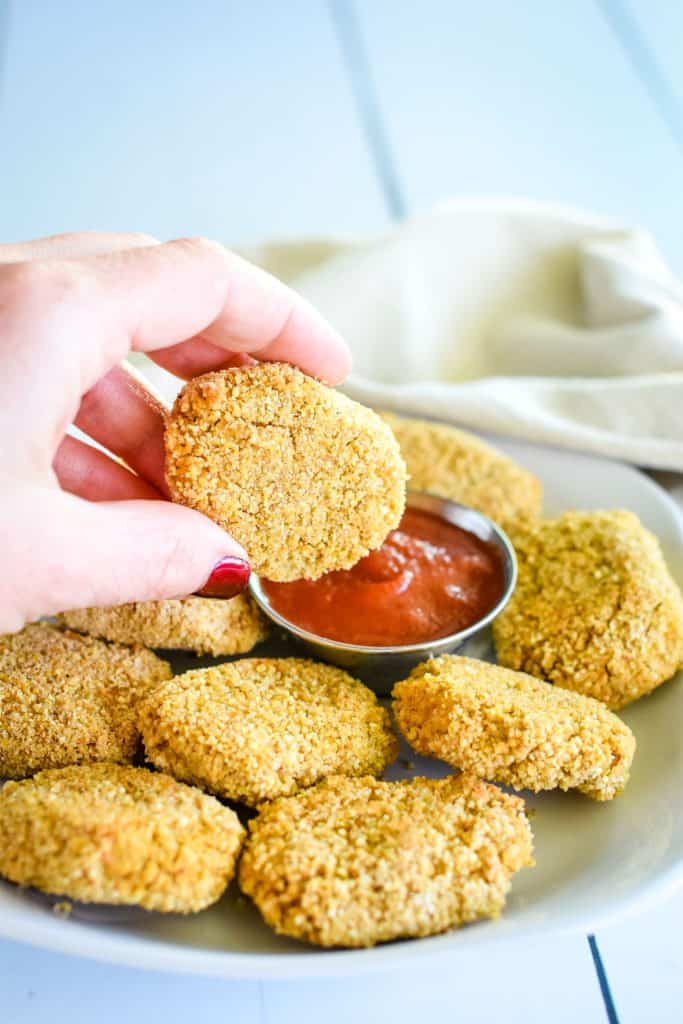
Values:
[(91, 474), (64, 553), (66, 323), (254, 313), (268, 320), (190, 358), (74, 245), (122, 415), (155, 297)]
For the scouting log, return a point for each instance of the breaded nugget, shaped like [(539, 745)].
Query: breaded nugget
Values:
[(68, 699), (454, 464), (199, 624), (595, 609), (511, 728), (304, 478), (106, 833), (353, 862), (260, 728)]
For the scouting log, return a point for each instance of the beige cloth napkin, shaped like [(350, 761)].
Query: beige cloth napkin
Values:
[(511, 317)]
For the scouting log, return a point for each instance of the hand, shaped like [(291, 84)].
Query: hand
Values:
[(79, 528)]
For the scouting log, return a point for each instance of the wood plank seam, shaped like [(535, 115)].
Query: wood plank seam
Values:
[(603, 981), (624, 25), (349, 35)]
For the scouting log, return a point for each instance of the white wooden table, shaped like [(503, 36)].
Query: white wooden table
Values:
[(248, 120)]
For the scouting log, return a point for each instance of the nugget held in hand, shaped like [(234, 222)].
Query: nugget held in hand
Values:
[(199, 624), (260, 728), (595, 608), (354, 862), (455, 464), (107, 833), (512, 728), (68, 699), (304, 478)]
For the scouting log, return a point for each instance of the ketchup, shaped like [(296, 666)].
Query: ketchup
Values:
[(429, 579)]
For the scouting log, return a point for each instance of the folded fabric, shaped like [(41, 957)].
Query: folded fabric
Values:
[(510, 317)]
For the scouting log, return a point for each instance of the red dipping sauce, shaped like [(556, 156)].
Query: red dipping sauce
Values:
[(429, 579)]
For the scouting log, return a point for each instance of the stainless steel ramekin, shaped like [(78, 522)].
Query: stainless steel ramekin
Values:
[(381, 667)]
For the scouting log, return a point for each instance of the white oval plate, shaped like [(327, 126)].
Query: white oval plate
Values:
[(594, 861)]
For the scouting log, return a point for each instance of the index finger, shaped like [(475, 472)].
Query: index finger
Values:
[(176, 291)]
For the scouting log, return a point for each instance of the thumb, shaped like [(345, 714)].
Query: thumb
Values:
[(70, 553)]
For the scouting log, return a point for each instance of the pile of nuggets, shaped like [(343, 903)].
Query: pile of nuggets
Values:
[(132, 785)]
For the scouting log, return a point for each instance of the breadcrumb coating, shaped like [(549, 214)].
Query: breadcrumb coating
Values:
[(595, 608), (260, 728), (107, 833), (69, 699), (511, 728), (304, 478), (454, 464), (199, 624), (354, 862)]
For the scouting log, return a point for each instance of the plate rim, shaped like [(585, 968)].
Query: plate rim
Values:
[(146, 954)]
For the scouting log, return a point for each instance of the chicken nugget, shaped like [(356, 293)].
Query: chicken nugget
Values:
[(595, 608), (69, 699), (200, 624), (260, 728), (511, 728), (452, 463), (354, 862), (304, 478), (106, 833)]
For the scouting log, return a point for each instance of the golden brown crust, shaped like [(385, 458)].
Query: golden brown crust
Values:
[(454, 464), (69, 699), (354, 862), (511, 728), (107, 833), (198, 624), (595, 608), (304, 478), (264, 727)]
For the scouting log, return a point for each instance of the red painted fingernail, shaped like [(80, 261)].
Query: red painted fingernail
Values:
[(228, 577)]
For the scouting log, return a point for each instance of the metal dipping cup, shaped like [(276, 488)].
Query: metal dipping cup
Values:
[(381, 667)]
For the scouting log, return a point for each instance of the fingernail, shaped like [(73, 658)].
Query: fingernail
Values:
[(228, 577)]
